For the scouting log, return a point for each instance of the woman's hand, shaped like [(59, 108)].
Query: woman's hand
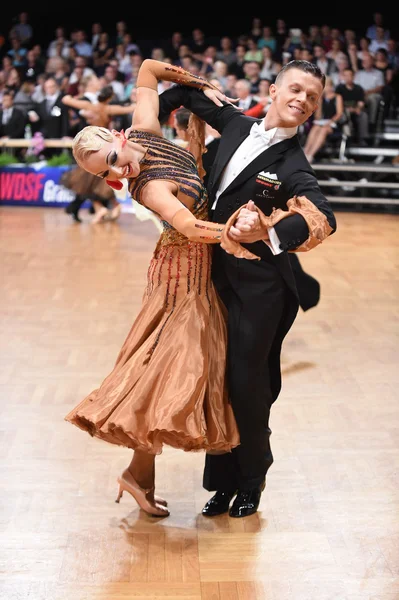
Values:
[(217, 97)]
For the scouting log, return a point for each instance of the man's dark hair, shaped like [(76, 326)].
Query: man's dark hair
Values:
[(306, 67), (105, 93), (182, 116)]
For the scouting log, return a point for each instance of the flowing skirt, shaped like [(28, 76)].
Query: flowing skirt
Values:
[(168, 385)]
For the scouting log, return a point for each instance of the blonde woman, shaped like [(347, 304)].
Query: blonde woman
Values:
[(168, 384)]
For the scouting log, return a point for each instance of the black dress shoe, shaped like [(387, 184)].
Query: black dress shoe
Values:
[(246, 502), (70, 210), (218, 504)]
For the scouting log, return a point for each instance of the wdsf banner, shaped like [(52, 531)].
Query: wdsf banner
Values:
[(39, 185)]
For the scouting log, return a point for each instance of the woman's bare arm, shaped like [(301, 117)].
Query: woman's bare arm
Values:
[(151, 72), (159, 196), (75, 103), (118, 109)]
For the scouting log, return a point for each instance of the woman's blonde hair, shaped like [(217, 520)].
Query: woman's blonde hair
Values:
[(89, 140)]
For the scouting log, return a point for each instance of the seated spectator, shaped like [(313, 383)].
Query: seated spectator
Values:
[(379, 41), (12, 119), (59, 69), (59, 46), (158, 53), (231, 81), (327, 120), (353, 55), (102, 53), (129, 70), (326, 39), (242, 90), (13, 81), (354, 105), (120, 30), (130, 46), (270, 67), (281, 36), (307, 54), (338, 76), (372, 82), (252, 74), (378, 21), (263, 100), (226, 51), (79, 69), (220, 72), (17, 53), (326, 64), (6, 67), (39, 93), (208, 61), (393, 54), (362, 51), (381, 63), (197, 44), (253, 53), (96, 30), (267, 39), (256, 29), (23, 99), (23, 29), (81, 45), (237, 67), (110, 78), (172, 46), (33, 66), (349, 38), (336, 51)]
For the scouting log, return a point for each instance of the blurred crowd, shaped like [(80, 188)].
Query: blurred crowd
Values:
[(362, 70)]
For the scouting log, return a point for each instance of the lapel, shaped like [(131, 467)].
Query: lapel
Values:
[(226, 150), (262, 162)]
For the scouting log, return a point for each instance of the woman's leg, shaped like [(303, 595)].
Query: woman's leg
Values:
[(310, 141), (142, 468), (100, 212), (139, 480), (320, 139)]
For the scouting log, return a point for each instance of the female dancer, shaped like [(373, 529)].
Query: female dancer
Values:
[(80, 181), (168, 384)]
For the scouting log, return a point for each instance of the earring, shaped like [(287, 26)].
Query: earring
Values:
[(116, 185)]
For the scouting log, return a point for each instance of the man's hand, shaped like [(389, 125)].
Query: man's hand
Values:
[(216, 96), (248, 228)]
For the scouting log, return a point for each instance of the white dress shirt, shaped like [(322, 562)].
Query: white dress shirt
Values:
[(7, 114), (254, 144)]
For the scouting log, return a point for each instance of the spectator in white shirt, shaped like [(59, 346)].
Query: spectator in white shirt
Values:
[(372, 81)]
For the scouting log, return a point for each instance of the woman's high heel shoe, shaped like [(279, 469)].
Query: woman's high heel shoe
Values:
[(99, 215), (142, 497)]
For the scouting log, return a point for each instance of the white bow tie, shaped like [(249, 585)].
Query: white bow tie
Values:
[(260, 132)]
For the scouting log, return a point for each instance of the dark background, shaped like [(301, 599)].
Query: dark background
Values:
[(152, 22)]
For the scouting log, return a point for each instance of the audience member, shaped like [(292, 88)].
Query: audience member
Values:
[(12, 119), (372, 81), (327, 120), (354, 105), (51, 116)]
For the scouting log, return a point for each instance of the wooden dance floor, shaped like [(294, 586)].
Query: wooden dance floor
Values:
[(328, 524)]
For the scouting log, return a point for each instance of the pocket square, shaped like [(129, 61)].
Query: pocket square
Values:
[(269, 175)]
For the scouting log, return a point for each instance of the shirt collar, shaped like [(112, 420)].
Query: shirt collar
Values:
[(277, 134)]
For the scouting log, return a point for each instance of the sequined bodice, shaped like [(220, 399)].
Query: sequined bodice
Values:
[(166, 160)]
